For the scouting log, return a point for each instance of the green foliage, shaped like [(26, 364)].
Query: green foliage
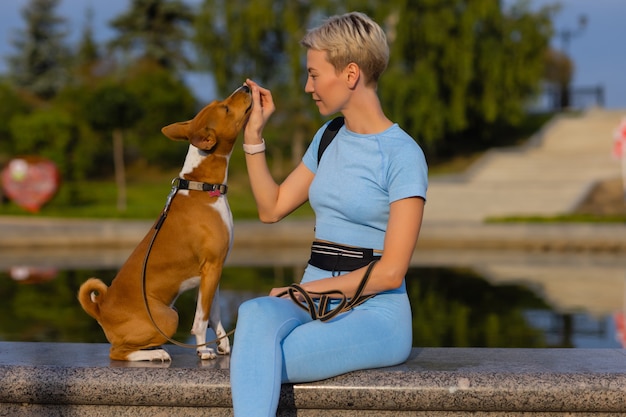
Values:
[(70, 152), (460, 72), (458, 68), (167, 100), (33, 131), (92, 156), (112, 106), (88, 49), (139, 97), (238, 39), (154, 30), (40, 65), (11, 105), (461, 66)]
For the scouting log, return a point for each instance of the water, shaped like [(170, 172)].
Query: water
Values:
[(459, 298)]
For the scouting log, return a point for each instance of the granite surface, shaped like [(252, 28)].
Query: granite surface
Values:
[(50, 379)]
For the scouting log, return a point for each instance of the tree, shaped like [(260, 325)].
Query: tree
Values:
[(152, 36), (114, 109), (455, 65), (237, 39), (88, 49), (88, 63), (154, 30), (168, 100), (11, 105), (40, 66), (462, 63), (53, 133)]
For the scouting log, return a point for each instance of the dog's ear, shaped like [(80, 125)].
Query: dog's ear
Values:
[(203, 140), (177, 131)]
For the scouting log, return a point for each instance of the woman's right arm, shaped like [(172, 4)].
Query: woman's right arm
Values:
[(273, 201)]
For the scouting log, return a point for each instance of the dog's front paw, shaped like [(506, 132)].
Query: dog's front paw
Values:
[(206, 353), (223, 346)]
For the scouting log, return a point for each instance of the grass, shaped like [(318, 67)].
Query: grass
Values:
[(455, 165), (145, 200), (562, 218)]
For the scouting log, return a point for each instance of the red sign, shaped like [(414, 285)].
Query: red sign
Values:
[(619, 142), (30, 181), (32, 274)]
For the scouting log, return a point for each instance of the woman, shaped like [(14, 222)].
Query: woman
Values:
[(368, 194)]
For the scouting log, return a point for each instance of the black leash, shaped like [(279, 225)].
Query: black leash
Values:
[(306, 299), (296, 292), (176, 185)]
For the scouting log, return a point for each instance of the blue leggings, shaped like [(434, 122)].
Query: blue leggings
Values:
[(277, 342)]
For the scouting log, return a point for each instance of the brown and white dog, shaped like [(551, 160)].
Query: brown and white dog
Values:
[(189, 251)]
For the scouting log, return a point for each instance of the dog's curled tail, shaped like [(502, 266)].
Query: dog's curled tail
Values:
[(90, 295)]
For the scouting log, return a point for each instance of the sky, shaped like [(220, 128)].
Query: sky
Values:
[(598, 51)]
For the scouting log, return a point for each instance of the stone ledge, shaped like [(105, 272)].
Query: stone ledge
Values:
[(53, 233), (67, 379)]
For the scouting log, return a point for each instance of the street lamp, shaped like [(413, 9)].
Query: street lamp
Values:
[(566, 36)]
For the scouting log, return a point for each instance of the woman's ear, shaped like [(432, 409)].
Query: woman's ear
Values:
[(353, 73)]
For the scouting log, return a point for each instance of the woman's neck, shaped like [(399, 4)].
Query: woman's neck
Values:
[(364, 114)]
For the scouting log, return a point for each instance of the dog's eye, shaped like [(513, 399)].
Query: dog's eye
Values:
[(226, 109)]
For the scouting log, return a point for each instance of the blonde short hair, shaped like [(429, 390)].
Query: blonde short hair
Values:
[(351, 37)]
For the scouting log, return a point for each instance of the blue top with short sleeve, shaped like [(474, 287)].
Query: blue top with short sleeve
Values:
[(358, 177)]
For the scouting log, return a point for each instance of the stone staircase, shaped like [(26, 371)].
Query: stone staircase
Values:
[(549, 175)]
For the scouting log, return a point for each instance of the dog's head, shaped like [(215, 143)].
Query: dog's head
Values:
[(216, 127)]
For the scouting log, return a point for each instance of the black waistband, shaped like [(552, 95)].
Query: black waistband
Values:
[(334, 257)]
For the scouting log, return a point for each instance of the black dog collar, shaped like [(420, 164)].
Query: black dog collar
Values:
[(214, 189)]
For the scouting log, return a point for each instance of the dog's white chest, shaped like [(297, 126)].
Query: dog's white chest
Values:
[(222, 207)]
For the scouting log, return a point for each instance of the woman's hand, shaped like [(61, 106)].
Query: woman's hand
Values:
[(274, 292), (262, 108)]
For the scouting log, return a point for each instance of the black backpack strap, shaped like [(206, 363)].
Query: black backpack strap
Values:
[(328, 136)]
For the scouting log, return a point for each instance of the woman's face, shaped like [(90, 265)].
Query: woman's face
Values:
[(324, 83)]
